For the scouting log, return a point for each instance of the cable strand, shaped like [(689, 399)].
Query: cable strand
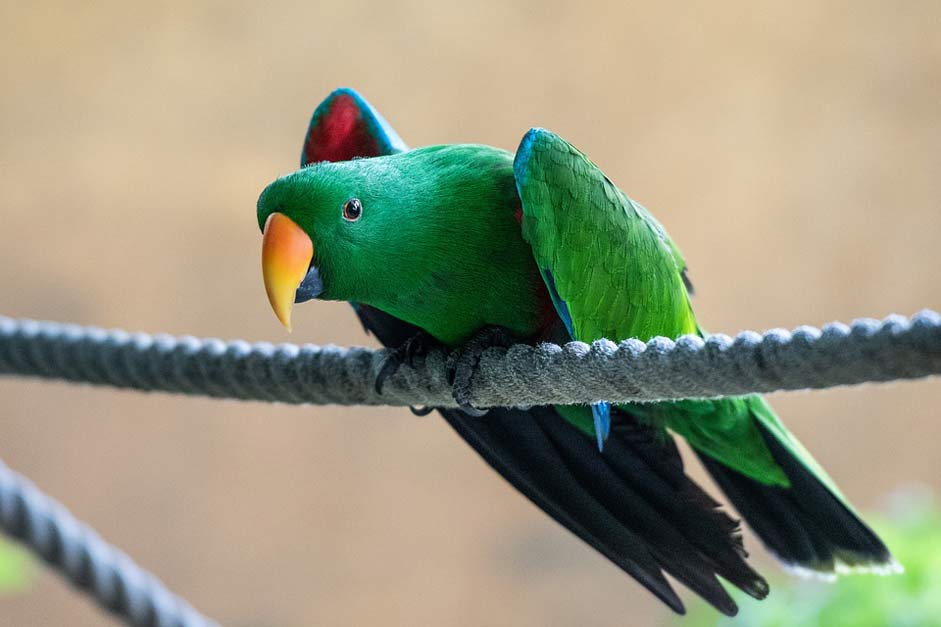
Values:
[(88, 562), (631, 371), (522, 375)]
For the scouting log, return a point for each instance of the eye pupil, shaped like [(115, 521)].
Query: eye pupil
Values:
[(352, 209)]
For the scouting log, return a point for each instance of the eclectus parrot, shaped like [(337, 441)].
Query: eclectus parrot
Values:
[(448, 241)]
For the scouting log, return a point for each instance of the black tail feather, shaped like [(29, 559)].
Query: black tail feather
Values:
[(719, 538), (516, 447), (804, 525), (633, 503), (652, 511)]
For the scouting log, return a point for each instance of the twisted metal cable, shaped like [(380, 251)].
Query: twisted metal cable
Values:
[(88, 562), (660, 369)]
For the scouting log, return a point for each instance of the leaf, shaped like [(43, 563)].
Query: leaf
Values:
[(16, 568), (911, 530)]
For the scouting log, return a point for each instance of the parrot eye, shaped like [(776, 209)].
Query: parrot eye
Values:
[(352, 210)]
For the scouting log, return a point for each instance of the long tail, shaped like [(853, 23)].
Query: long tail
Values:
[(634, 503), (808, 527)]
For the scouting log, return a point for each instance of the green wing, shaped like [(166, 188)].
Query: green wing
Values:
[(609, 265), (613, 272)]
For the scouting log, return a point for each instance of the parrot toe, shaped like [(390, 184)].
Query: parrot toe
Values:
[(463, 363), (415, 347)]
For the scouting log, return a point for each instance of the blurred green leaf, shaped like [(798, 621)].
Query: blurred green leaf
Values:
[(911, 529), (16, 568)]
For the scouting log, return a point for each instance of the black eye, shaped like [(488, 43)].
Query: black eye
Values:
[(352, 209)]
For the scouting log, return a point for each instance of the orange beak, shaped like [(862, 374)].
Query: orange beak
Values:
[(286, 253)]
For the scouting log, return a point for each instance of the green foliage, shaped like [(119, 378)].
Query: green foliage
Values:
[(16, 568), (912, 531)]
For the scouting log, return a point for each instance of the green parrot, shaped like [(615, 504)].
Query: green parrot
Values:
[(446, 243)]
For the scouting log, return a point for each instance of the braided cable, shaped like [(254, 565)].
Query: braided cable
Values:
[(89, 563), (661, 369)]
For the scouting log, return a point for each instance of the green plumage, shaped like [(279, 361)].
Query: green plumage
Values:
[(456, 238), (437, 245), (618, 274), (612, 263)]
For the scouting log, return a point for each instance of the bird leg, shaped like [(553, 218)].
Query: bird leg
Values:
[(419, 345), (464, 361)]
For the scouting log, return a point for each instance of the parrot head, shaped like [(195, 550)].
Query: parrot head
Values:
[(294, 211), (368, 221), (323, 227), (388, 229)]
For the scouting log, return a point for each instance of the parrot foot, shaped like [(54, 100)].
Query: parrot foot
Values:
[(414, 347), (463, 363)]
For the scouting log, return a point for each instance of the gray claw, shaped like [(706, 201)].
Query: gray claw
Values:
[(463, 363), (416, 346)]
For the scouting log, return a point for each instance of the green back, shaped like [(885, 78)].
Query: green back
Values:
[(611, 267), (614, 273)]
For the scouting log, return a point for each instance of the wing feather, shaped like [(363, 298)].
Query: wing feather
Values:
[(613, 265)]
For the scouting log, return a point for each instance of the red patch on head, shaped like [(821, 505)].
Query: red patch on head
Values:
[(340, 134)]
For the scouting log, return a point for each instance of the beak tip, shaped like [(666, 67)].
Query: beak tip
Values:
[(286, 255), (283, 314)]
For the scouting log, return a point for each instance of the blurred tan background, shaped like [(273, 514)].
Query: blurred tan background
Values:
[(792, 152)]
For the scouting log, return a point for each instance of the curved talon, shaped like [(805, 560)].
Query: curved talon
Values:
[(461, 367), (463, 362), (389, 367), (420, 411), (416, 346), (472, 411)]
